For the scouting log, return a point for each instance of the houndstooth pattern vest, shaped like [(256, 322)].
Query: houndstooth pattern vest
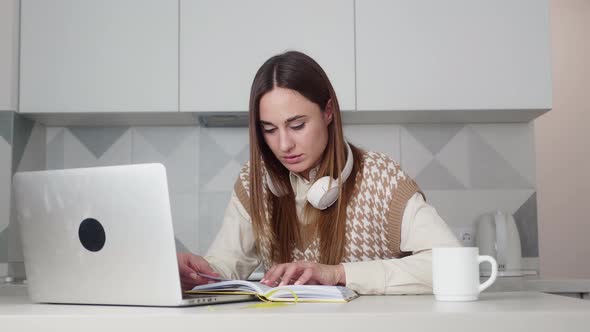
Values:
[(373, 215)]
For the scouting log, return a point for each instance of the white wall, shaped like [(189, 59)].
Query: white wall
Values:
[(562, 156)]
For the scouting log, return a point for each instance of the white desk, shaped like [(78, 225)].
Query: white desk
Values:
[(579, 288), (506, 311)]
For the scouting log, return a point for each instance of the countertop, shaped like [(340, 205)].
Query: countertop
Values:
[(508, 311), (534, 283), (525, 283)]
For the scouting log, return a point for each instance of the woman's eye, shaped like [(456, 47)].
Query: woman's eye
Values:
[(298, 126), (269, 130)]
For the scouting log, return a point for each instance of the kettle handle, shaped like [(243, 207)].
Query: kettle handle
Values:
[(494, 270), (501, 238)]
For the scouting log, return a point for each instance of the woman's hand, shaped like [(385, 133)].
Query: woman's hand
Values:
[(188, 266), (302, 273)]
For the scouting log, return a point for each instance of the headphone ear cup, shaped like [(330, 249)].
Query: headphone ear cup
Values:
[(320, 195)]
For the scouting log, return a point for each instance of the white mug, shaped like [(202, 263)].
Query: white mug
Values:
[(455, 273)]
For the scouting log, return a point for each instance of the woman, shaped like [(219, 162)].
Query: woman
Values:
[(372, 231)]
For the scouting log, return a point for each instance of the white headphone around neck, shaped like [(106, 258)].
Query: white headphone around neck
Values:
[(320, 195)]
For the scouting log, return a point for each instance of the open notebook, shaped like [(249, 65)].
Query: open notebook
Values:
[(289, 293)]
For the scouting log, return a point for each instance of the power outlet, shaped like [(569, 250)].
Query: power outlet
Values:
[(466, 236)]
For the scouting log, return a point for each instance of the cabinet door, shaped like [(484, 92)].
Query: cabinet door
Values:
[(8, 54), (224, 42), (452, 55), (99, 56)]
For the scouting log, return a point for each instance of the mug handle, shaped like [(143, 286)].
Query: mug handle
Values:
[(494, 270)]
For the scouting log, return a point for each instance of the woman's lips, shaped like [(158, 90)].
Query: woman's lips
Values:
[(293, 159)]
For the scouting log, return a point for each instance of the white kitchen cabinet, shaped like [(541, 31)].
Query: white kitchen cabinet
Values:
[(224, 42), (8, 54), (99, 56), (452, 55)]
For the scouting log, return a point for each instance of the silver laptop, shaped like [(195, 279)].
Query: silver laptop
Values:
[(101, 235)]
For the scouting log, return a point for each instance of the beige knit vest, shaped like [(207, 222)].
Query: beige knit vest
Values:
[(373, 215)]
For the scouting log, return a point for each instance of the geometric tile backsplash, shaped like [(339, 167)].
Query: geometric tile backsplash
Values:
[(470, 169), (464, 169), (22, 148), (5, 187)]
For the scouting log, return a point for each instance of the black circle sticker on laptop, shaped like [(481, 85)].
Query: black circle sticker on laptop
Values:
[(91, 234)]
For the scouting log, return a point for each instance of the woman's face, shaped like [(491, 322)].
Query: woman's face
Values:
[(295, 129)]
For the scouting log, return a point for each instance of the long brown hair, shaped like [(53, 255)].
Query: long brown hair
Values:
[(297, 71)]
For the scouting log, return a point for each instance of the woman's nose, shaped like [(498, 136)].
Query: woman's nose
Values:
[(286, 142)]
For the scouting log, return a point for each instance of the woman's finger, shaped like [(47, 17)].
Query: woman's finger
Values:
[(267, 274), (189, 281), (304, 277), (186, 286), (275, 274), (194, 279), (185, 270), (199, 264), (290, 274)]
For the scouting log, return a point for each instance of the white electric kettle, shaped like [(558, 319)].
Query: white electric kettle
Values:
[(496, 235)]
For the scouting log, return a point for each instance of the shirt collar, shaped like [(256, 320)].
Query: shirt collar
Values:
[(294, 177)]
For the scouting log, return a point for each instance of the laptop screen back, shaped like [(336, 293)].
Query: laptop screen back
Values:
[(98, 235)]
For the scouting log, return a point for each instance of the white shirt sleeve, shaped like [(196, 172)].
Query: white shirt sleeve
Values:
[(422, 229), (233, 252)]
